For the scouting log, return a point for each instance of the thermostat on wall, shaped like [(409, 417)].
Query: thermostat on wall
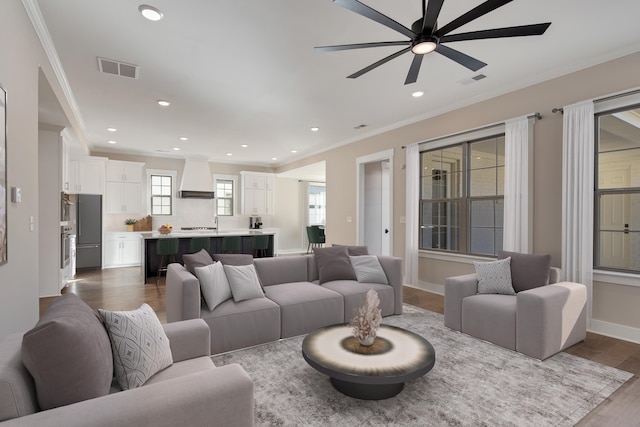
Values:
[(16, 194)]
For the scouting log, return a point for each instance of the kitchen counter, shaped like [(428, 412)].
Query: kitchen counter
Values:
[(151, 260)]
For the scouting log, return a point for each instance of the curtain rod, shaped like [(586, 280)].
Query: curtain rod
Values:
[(536, 116), (606, 98)]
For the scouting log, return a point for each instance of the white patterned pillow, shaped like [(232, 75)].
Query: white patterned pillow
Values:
[(139, 345), (494, 277)]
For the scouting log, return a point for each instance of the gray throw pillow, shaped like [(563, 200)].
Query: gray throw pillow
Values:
[(494, 277), (243, 281), (199, 259), (333, 264), (355, 250), (528, 271), (368, 269), (68, 354), (140, 346), (214, 284), (237, 259)]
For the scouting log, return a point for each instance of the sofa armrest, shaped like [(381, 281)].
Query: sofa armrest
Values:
[(218, 396), (183, 294), (188, 339), (457, 288), (555, 274), (392, 267), (550, 318)]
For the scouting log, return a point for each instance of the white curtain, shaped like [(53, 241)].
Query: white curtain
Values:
[(517, 235), (412, 212), (577, 195)]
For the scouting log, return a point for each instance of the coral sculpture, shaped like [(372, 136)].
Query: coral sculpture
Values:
[(367, 319)]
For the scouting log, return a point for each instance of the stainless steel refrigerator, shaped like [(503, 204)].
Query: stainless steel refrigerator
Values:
[(89, 231)]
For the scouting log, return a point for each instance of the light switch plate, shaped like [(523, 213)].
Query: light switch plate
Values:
[(16, 194)]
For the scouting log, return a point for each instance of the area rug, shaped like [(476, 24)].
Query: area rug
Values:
[(473, 383)]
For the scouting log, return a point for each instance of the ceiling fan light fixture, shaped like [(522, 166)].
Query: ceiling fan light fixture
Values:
[(423, 45), (150, 12)]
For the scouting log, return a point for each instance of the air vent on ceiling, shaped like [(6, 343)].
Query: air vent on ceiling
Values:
[(118, 68), (360, 126), (473, 79)]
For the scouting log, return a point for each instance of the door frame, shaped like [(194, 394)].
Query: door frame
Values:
[(386, 155)]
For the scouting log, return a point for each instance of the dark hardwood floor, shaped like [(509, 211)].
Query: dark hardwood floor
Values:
[(116, 289)]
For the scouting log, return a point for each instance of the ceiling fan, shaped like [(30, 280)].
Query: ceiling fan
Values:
[(425, 36)]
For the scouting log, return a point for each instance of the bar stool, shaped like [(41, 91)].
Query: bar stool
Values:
[(198, 243), (260, 245), (231, 245), (165, 247)]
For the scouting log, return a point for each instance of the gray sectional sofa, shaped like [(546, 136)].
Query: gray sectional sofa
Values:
[(295, 301)]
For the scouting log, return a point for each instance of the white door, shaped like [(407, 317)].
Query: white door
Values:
[(615, 214)]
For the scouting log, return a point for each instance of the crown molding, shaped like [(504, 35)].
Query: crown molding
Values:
[(35, 15)]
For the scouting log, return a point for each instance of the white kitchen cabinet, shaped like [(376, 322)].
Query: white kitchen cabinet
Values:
[(124, 187), (257, 193), (120, 171), (124, 197), (87, 175), (122, 249)]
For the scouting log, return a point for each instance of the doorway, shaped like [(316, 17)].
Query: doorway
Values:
[(375, 202)]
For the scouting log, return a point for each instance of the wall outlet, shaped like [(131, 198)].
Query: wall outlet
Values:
[(403, 220), (349, 219)]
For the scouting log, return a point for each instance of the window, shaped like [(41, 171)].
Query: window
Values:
[(225, 189), (161, 194), (462, 197), (617, 190), (317, 203)]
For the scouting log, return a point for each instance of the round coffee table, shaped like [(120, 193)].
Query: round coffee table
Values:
[(372, 373)]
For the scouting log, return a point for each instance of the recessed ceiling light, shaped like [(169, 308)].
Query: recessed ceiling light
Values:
[(417, 94), (112, 129), (111, 142), (150, 12), (274, 158), (315, 129), (176, 148), (294, 151), (184, 138), (164, 103), (229, 154), (244, 145)]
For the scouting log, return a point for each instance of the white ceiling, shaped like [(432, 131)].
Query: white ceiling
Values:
[(245, 71)]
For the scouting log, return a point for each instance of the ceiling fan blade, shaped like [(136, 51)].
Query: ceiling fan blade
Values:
[(461, 58), (431, 16), (520, 31), (475, 13), (359, 46), (367, 12), (414, 70), (378, 63)]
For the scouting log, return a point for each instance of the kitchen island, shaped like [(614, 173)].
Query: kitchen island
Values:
[(151, 259)]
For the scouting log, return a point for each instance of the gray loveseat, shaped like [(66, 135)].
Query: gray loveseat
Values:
[(294, 304), (191, 392), (538, 321)]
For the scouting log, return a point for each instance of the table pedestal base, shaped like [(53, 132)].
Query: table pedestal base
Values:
[(367, 391)]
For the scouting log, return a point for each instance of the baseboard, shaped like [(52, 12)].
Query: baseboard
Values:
[(429, 287), (614, 330)]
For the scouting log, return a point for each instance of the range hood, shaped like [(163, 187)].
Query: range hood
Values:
[(196, 180)]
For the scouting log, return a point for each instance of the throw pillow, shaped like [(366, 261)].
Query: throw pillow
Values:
[(368, 269), (243, 281), (199, 259), (333, 264), (528, 271), (68, 354), (214, 284), (140, 346), (237, 259), (355, 250), (494, 277)]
